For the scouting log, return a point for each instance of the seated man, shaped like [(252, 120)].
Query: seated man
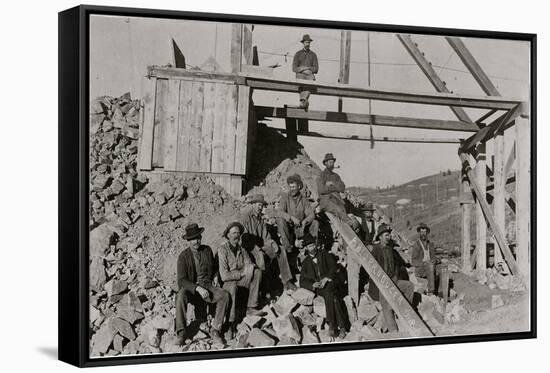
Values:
[(237, 270), (295, 216), (319, 275), (254, 224), (368, 224), (423, 258), (196, 271), (393, 264)]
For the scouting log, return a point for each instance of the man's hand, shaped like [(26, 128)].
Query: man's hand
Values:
[(324, 282), (202, 292), (316, 285)]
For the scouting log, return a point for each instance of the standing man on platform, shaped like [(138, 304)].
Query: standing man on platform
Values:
[(305, 65), (423, 258)]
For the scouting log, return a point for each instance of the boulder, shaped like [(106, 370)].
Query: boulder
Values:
[(118, 341), (350, 308), (130, 308), (303, 314), (286, 326), (497, 301), (258, 338), (303, 296), (123, 327), (115, 287), (284, 305), (309, 335), (366, 311), (101, 341), (101, 239), (252, 320), (98, 277)]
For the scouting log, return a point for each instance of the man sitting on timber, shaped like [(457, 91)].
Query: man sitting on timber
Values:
[(393, 264), (423, 258), (295, 216), (329, 187), (305, 65), (368, 225), (254, 224), (237, 270), (319, 275), (196, 271)]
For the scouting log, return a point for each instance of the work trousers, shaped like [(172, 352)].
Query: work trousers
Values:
[(250, 281), (407, 288), (217, 296)]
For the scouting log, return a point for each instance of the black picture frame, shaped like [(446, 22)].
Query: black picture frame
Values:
[(74, 184)]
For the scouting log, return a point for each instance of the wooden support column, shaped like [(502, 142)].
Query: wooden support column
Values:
[(236, 47), (523, 194), (500, 194), (345, 56), (247, 45), (291, 129), (466, 202), (481, 231)]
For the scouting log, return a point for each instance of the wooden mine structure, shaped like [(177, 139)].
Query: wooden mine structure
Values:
[(205, 122)]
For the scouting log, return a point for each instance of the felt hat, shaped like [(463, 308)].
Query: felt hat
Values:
[(383, 228), (308, 239), (296, 179), (328, 157), (422, 226), (257, 198), (306, 38), (231, 225), (192, 231)]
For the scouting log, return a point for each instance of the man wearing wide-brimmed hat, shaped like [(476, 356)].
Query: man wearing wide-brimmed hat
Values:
[(423, 258), (195, 275), (319, 274), (238, 270), (368, 224), (254, 223), (305, 65), (329, 187), (393, 264)]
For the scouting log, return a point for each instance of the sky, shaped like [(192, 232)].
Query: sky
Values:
[(121, 48)]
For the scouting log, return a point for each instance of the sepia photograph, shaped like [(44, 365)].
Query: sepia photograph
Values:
[(263, 185)]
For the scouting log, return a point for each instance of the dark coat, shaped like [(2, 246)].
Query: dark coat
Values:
[(327, 268), (398, 272), (186, 271)]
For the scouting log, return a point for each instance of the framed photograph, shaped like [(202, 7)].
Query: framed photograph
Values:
[(235, 186)]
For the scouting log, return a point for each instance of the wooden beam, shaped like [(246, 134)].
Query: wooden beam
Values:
[(499, 235), (485, 116), (236, 47), (353, 267), (291, 129), (488, 132), (500, 192), (247, 45), (507, 198), (178, 58), (411, 320), (364, 119), (466, 227), (509, 180), (481, 224), (511, 160), (523, 195), (335, 89), (368, 138), (255, 58), (345, 56), (471, 64), (430, 73)]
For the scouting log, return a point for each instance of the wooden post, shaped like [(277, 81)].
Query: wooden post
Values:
[(255, 58), (413, 323), (236, 47), (345, 56), (500, 194), (290, 124), (466, 202), (481, 180), (247, 45), (523, 194)]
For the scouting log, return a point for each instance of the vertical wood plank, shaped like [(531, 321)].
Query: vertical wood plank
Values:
[(481, 180), (160, 120), (242, 129), (230, 129), (184, 124), (290, 125), (466, 225), (247, 45), (218, 136), (146, 144), (207, 127), (170, 133), (236, 47), (196, 126), (523, 194)]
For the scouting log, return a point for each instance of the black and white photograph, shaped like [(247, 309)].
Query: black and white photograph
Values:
[(259, 186)]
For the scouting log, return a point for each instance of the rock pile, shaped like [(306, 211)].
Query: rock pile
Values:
[(495, 279)]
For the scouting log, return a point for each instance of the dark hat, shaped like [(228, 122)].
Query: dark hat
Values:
[(328, 157), (257, 198), (383, 228), (295, 178), (308, 239), (231, 225), (422, 226), (248, 241), (192, 231), (306, 38), (369, 206)]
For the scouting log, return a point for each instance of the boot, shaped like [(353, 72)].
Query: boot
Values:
[(216, 337)]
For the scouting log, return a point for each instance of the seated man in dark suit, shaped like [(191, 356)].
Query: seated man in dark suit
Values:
[(196, 271), (393, 264), (319, 275)]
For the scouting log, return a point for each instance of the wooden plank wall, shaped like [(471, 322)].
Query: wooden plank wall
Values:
[(198, 125)]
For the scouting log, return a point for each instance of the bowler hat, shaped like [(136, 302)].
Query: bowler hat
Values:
[(422, 226), (383, 228), (308, 239), (231, 225), (306, 38), (328, 157), (192, 231), (257, 198)]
